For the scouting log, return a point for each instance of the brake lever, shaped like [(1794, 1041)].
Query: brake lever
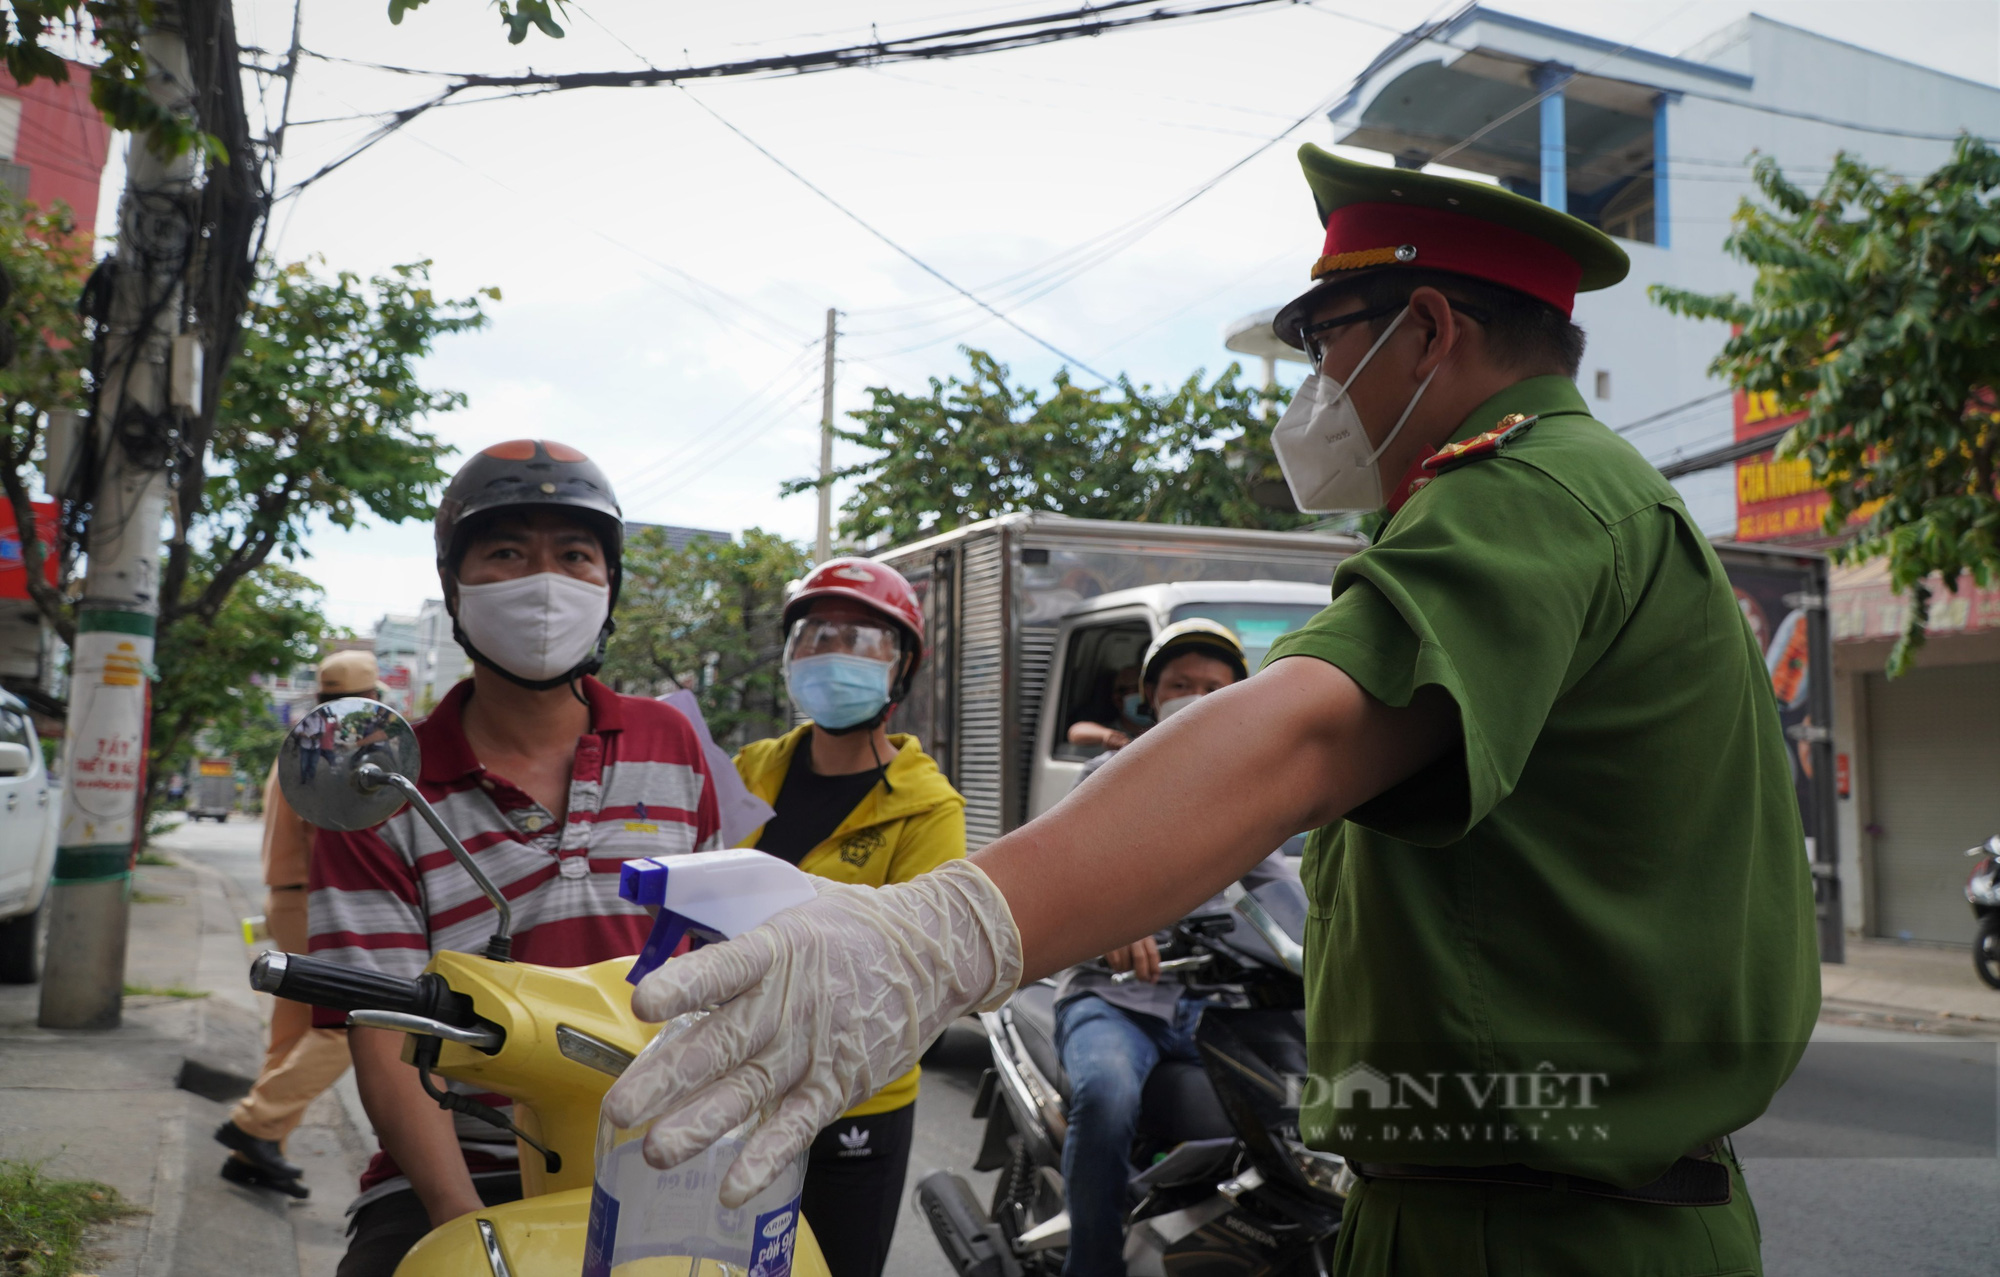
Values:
[(487, 1040), (1170, 964)]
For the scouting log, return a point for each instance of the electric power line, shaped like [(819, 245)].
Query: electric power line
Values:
[(919, 262), (787, 382), (1665, 413), (992, 37), (1115, 241)]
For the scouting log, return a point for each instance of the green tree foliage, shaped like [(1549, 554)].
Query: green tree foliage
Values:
[(519, 16), (117, 81), (982, 446), (1876, 310), (321, 417), (270, 624), (46, 262), (708, 617)]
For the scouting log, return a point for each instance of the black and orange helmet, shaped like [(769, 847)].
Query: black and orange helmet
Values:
[(530, 472)]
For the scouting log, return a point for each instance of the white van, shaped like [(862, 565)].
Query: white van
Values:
[(30, 815)]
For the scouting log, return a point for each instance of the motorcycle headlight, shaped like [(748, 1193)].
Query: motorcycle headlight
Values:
[(1327, 1172)]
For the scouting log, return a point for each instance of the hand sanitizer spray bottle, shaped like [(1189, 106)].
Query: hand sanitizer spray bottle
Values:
[(650, 1223)]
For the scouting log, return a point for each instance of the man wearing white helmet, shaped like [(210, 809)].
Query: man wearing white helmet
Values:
[(1111, 1035)]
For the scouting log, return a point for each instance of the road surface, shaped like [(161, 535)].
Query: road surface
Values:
[(1881, 1156)]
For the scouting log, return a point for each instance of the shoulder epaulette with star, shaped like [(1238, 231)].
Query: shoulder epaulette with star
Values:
[(1486, 444)]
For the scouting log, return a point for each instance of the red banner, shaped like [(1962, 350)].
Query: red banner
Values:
[(1775, 500), (13, 574)]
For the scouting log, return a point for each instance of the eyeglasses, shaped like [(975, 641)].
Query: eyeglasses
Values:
[(1316, 350)]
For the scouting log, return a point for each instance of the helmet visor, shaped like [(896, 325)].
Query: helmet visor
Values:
[(828, 635)]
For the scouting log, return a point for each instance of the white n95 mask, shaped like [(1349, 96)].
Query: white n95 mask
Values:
[(1323, 448), (534, 628)]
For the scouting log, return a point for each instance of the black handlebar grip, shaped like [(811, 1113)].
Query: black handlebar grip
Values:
[(340, 987)]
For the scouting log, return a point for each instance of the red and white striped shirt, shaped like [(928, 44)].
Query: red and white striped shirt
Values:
[(390, 897)]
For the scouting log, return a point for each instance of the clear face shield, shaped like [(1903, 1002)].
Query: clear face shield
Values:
[(840, 636)]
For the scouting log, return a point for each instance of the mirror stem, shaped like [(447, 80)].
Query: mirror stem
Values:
[(372, 775)]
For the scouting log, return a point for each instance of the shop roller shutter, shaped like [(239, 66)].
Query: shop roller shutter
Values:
[(1934, 763)]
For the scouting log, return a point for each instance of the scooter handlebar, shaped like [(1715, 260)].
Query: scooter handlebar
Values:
[(340, 987)]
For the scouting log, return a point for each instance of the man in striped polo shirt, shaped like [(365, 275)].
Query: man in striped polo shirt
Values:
[(552, 781)]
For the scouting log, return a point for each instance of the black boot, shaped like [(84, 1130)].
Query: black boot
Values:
[(262, 1154), (250, 1175)]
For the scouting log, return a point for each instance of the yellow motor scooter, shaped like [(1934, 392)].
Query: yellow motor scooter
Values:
[(551, 1039)]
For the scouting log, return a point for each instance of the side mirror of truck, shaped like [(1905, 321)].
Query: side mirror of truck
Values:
[(15, 760)]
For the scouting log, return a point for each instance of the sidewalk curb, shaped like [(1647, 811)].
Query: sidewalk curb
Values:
[(1910, 1019), (132, 1106), (225, 1227), (163, 1223)]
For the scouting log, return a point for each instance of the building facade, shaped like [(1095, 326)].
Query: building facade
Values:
[(1656, 150), (53, 144), (441, 663)]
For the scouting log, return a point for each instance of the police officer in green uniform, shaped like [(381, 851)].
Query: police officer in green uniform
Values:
[(1560, 942)]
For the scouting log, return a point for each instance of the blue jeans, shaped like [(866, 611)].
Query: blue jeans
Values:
[(1108, 1054)]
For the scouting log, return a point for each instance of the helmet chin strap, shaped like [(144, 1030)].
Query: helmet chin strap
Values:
[(865, 725), (869, 726)]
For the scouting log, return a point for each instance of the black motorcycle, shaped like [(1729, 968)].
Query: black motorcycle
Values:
[(1226, 1186)]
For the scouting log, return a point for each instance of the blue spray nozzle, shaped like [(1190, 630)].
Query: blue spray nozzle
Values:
[(710, 895)]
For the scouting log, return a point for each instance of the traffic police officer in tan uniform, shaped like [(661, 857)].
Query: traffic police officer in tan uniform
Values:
[(1560, 941)]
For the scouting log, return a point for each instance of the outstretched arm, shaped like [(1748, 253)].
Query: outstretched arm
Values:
[(1189, 807), (819, 1007)]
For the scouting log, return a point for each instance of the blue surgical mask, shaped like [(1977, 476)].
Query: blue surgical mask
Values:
[(1135, 708), (838, 690)]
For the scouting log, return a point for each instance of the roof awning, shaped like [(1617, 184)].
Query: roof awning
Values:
[(1431, 107), (1464, 93)]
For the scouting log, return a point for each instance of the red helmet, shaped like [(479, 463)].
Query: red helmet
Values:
[(875, 586)]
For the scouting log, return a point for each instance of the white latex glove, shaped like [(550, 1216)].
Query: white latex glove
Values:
[(814, 1011)]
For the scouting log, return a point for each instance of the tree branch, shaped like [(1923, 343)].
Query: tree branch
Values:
[(261, 538), (34, 555)]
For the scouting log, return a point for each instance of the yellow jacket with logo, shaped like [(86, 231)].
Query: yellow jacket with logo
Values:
[(910, 826)]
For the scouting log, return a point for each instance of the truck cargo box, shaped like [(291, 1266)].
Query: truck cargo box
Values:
[(994, 595)]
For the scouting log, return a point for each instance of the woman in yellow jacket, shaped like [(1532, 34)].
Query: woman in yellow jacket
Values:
[(855, 804)]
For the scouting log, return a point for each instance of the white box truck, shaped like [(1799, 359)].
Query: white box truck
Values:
[(1029, 618)]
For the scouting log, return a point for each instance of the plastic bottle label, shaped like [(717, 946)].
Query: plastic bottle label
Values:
[(638, 1214), (772, 1237), (603, 1232)]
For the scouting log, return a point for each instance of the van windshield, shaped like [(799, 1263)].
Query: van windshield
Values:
[(1257, 624)]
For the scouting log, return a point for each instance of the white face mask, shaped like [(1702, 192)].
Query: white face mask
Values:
[(1169, 708), (534, 627), (1323, 448)]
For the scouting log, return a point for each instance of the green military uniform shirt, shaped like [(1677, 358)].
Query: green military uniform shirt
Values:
[(1583, 941)]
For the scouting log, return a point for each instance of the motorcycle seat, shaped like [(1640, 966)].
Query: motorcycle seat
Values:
[(1178, 1103), (1034, 1009)]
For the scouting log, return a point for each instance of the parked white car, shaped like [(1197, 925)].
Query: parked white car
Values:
[(30, 814)]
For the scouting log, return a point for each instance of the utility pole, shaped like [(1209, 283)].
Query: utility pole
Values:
[(149, 373), (823, 546)]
